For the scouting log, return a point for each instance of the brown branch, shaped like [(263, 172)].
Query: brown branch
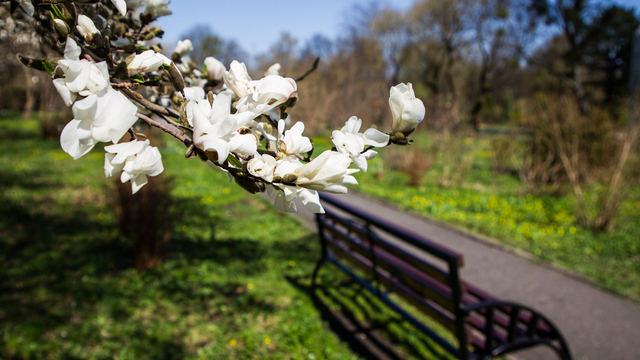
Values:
[(175, 133), (149, 105)]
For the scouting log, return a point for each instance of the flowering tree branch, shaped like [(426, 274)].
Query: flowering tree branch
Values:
[(112, 74)]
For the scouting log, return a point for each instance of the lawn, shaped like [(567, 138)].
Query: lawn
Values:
[(235, 283), (497, 205)]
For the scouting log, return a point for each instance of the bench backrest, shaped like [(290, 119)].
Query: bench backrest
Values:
[(408, 264)]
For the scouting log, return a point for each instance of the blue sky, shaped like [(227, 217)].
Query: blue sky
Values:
[(257, 24)]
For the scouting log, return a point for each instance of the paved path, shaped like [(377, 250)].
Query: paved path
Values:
[(596, 324)]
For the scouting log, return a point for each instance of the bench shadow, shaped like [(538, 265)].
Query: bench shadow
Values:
[(371, 338)]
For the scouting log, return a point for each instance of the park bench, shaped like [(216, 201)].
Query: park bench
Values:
[(392, 260)]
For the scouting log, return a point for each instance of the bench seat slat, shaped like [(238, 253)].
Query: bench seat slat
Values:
[(399, 289), (412, 238), (400, 253), (417, 281)]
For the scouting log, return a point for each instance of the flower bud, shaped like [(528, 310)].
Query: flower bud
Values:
[(174, 76), (289, 179), (408, 111), (61, 28), (183, 48)]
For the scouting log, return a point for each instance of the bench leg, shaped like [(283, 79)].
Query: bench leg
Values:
[(315, 271)]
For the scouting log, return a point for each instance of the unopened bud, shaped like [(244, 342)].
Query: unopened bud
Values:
[(174, 76), (290, 179), (292, 100), (61, 28), (276, 179), (397, 136)]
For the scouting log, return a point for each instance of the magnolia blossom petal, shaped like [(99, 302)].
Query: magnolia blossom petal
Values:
[(121, 5), (292, 142), (360, 161), (138, 182), (281, 203), (110, 167), (311, 201), (27, 6), (86, 27), (328, 172), (194, 93), (67, 96), (375, 138), (71, 139), (273, 69), (71, 50), (214, 68), (243, 144)]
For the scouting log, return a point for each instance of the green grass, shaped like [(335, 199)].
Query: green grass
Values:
[(499, 206), (235, 283)]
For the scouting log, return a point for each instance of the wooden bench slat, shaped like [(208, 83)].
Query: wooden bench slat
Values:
[(418, 282), (404, 255), (394, 286), (412, 238)]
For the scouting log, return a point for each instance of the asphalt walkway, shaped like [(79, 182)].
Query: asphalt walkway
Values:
[(596, 324)]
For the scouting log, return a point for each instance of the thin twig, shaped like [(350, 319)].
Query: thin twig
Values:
[(175, 133), (149, 105)]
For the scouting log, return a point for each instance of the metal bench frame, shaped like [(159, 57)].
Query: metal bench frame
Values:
[(484, 326)]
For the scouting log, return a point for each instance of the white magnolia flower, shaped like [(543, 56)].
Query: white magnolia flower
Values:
[(194, 93), (349, 141), (262, 166), (121, 5), (291, 142), (136, 160), (329, 172), (273, 70), (267, 93), (286, 194), (147, 61), (217, 132), (184, 47), (86, 27), (27, 6), (237, 79), (214, 68), (408, 111), (101, 117), (81, 77), (71, 50), (156, 8)]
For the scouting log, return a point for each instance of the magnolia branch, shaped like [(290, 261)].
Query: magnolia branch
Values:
[(175, 133), (149, 105)]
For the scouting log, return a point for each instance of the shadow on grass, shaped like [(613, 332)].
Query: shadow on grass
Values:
[(378, 335)]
